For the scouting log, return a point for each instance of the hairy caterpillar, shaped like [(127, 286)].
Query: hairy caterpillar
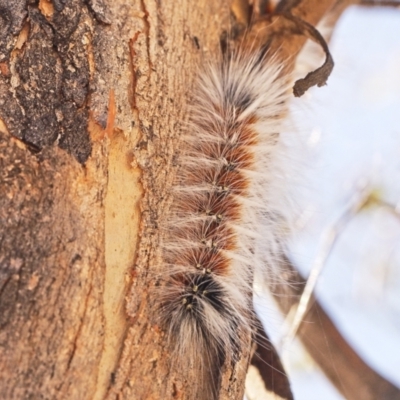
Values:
[(221, 229)]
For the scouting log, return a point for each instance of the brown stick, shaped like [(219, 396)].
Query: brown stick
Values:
[(380, 3), (269, 365), (341, 364)]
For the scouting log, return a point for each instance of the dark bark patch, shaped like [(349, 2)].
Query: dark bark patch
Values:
[(12, 15), (100, 11), (46, 96)]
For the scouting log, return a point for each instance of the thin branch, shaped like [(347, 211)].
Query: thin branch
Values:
[(373, 3), (319, 76), (268, 363), (341, 364), (392, 209), (329, 238)]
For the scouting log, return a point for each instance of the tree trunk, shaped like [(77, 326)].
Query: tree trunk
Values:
[(92, 102)]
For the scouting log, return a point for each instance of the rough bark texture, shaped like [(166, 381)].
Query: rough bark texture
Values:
[(51, 276), (107, 83), (92, 102)]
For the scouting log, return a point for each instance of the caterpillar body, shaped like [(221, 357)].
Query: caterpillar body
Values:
[(221, 228)]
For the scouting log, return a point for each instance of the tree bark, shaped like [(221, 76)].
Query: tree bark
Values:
[(91, 99), (92, 103)]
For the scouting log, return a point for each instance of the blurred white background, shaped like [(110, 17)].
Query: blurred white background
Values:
[(351, 129)]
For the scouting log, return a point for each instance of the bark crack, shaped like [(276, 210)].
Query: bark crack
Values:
[(146, 31), (78, 333)]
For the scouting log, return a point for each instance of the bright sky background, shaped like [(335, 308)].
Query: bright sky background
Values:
[(351, 130)]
